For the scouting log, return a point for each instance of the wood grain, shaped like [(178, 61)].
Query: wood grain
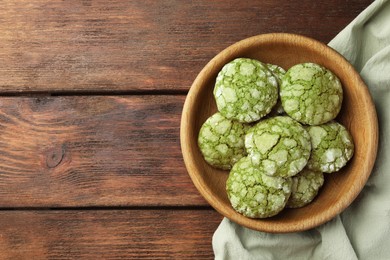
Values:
[(113, 234), (95, 46), (120, 154), (92, 151)]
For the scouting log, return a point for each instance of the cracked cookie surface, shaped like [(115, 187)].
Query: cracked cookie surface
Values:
[(311, 94), (221, 141), (278, 73), (279, 145), (332, 147), (255, 194), (305, 187), (245, 90)]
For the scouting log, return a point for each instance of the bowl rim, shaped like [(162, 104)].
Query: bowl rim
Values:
[(228, 54)]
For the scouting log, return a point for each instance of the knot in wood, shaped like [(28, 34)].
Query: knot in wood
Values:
[(54, 156)]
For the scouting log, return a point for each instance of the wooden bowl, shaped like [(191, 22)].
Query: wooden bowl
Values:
[(357, 114)]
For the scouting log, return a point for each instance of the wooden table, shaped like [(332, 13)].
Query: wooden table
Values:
[(90, 106)]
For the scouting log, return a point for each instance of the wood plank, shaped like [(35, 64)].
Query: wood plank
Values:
[(66, 46), (119, 234), (92, 151)]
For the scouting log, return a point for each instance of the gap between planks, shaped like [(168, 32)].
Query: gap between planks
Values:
[(163, 92), (108, 208)]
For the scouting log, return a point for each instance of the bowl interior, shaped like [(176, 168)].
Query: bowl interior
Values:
[(357, 114)]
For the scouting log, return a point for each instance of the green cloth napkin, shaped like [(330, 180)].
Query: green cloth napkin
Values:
[(362, 231)]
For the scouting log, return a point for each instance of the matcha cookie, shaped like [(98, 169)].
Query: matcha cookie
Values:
[(221, 141), (278, 73), (332, 147), (311, 94), (255, 194), (279, 145), (305, 187), (245, 90)]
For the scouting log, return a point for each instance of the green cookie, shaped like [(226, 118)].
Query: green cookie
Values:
[(279, 145), (254, 194), (245, 90), (221, 141), (278, 73), (311, 94), (332, 147), (305, 187)]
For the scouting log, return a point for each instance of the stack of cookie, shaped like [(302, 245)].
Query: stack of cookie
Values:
[(276, 133)]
